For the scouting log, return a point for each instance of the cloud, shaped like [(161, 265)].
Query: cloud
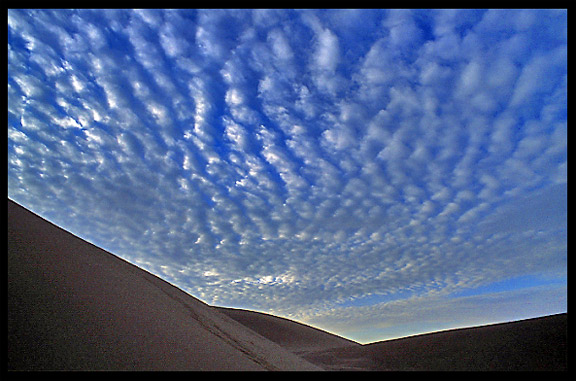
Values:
[(537, 77), (328, 52), (547, 208), (290, 161)]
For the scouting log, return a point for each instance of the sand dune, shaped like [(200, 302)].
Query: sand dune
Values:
[(538, 344), (74, 306), (296, 337), (533, 344)]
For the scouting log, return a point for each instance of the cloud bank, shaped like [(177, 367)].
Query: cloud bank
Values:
[(293, 161)]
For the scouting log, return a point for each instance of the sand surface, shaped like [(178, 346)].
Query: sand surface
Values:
[(74, 306), (538, 344), (533, 344), (296, 337)]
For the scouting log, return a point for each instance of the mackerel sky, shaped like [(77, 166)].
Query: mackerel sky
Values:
[(376, 173)]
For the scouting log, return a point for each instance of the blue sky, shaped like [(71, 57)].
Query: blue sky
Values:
[(376, 173)]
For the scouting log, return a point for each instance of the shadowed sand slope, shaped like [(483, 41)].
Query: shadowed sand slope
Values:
[(74, 306), (297, 337), (527, 345)]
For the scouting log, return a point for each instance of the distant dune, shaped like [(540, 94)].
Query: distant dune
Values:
[(294, 336), (538, 344), (74, 306)]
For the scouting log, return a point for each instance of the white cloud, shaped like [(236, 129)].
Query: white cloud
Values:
[(173, 44), (280, 45), (404, 33), (536, 76), (328, 52)]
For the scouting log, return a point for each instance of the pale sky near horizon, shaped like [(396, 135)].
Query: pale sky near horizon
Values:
[(375, 173)]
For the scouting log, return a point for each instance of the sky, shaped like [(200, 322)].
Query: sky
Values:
[(375, 173)]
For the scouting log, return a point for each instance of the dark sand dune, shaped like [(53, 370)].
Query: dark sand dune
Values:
[(533, 344), (325, 349), (73, 306), (296, 337), (526, 345)]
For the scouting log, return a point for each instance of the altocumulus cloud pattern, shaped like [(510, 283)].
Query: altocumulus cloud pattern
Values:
[(358, 170)]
